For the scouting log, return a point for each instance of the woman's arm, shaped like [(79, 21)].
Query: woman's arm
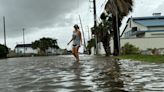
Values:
[(70, 41)]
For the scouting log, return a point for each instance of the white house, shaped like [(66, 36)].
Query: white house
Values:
[(55, 51), (25, 48), (144, 32)]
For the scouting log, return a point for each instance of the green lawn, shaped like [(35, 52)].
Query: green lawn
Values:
[(146, 58)]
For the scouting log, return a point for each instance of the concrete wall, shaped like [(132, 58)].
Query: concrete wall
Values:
[(154, 34), (145, 43), (142, 43), (100, 49)]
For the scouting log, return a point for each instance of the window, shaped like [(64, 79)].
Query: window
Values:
[(128, 34), (134, 29)]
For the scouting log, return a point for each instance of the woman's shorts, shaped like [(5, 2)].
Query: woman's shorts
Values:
[(75, 45)]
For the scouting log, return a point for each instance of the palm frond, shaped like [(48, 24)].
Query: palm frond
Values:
[(120, 7)]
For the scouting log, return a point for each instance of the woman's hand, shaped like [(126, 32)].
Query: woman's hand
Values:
[(68, 43)]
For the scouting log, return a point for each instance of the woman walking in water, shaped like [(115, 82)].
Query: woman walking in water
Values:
[(77, 41)]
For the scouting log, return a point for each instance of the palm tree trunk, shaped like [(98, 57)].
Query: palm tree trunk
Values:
[(107, 48), (106, 44), (116, 37)]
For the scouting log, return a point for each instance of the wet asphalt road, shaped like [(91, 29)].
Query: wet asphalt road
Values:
[(92, 74)]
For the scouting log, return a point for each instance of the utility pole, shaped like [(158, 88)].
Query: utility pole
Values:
[(4, 30), (94, 12), (95, 24), (88, 33), (24, 41), (82, 33)]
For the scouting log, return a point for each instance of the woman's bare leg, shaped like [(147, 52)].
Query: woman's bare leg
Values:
[(74, 52), (77, 53)]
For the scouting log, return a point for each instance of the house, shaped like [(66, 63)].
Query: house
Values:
[(25, 48), (144, 32)]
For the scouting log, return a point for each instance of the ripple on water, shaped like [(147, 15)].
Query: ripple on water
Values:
[(147, 77), (157, 86), (92, 74)]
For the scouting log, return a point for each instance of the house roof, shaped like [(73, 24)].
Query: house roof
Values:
[(153, 21), (23, 45)]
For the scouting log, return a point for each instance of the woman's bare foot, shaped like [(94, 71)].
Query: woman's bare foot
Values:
[(77, 60)]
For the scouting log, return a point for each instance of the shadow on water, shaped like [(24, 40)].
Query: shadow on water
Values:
[(109, 80), (78, 81)]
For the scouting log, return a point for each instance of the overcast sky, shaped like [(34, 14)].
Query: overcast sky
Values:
[(55, 18)]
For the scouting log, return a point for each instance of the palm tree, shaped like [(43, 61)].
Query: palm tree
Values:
[(104, 35), (119, 9)]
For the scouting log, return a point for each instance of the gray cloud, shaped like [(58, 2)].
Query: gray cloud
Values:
[(160, 9), (35, 13)]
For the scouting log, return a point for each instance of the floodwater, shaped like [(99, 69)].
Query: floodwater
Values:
[(92, 74)]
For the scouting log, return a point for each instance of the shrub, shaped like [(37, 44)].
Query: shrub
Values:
[(3, 51), (91, 43), (129, 49)]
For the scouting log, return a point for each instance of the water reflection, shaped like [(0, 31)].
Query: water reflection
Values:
[(78, 80), (109, 80)]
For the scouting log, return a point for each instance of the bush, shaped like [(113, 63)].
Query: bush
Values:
[(129, 49), (91, 43), (3, 51)]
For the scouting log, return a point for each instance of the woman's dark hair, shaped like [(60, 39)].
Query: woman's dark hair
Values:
[(76, 26)]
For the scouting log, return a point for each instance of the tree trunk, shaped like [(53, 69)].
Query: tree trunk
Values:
[(106, 44), (116, 36)]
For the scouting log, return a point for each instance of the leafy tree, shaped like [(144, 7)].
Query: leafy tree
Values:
[(3, 51), (45, 43)]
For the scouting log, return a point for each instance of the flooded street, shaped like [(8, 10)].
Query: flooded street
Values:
[(92, 74), (143, 77)]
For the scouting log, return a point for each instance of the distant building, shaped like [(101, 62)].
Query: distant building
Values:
[(25, 48), (20, 48), (54, 51), (144, 32)]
